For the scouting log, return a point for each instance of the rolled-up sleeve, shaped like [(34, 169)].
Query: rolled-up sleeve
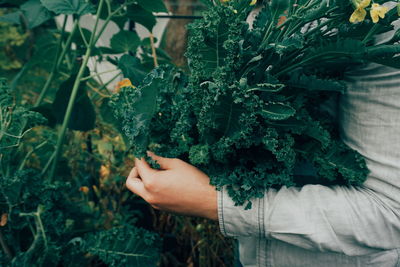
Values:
[(349, 220)]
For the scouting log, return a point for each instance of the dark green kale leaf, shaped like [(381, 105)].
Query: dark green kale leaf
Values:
[(136, 106), (124, 246)]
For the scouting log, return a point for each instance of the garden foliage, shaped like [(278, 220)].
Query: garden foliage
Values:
[(67, 206), (41, 217), (252, 112)]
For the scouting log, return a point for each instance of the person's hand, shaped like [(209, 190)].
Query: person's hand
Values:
[(178, 187)]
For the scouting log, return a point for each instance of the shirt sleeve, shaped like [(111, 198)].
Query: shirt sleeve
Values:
[(349, 220)]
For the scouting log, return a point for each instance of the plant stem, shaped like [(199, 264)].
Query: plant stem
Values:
[(370, 33), (153, 50), (74, 94), (68, 43), (21, 167), (46, 167), (83, 36), (104, 26), (5, 247), (54, 68), (97, 74)]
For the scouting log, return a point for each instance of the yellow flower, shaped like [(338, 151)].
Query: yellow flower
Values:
[(378, 11), (124, 83), (360, 13), (84, 189)]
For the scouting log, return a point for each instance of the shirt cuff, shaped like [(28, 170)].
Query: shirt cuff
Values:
[(236, 221)]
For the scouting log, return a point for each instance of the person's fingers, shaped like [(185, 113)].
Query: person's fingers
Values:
[(133, 173), (143, 168), (165, 163), (136, 186)]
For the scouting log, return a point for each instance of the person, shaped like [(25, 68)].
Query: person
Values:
[(313, 225)]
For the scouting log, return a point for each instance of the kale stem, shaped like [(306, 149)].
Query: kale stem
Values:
[(22, 165), (370, 33), (5, 247)]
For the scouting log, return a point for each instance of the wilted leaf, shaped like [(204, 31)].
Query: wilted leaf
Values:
[(4, 219)]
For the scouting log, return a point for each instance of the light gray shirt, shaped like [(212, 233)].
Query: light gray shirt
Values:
[(334, 226)]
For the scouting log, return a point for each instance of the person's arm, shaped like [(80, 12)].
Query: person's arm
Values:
[(349, 220)]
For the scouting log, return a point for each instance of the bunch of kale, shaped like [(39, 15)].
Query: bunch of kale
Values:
[(251, 113)]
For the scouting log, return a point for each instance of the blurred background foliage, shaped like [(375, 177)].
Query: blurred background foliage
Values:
[(63, 201)]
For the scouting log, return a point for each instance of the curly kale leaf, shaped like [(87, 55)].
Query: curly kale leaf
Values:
[(135, 107), (124, 246), (14, 120)]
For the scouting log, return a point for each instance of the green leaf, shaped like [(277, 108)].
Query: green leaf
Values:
[(69, 7), (13, 2), (132, 69), (226, 115), (314, 83), (267, 87), (78, 38), (340, 162), (393, 62), (278, 111), (47, 111), (340, 48), (279, 7), (288, 45), (45, 50), (35, 13), (125, 246), (14, 17), (137, 14), (83, 117), (125, 41), (212, 51), (263, 18), (136, 107), (383, 50), (152, 5)]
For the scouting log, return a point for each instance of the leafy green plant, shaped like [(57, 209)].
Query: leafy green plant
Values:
[(41, 216), (61, 205), (251, 112)]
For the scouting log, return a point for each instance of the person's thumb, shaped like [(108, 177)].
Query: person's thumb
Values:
[(143, 168), (165, 163)]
